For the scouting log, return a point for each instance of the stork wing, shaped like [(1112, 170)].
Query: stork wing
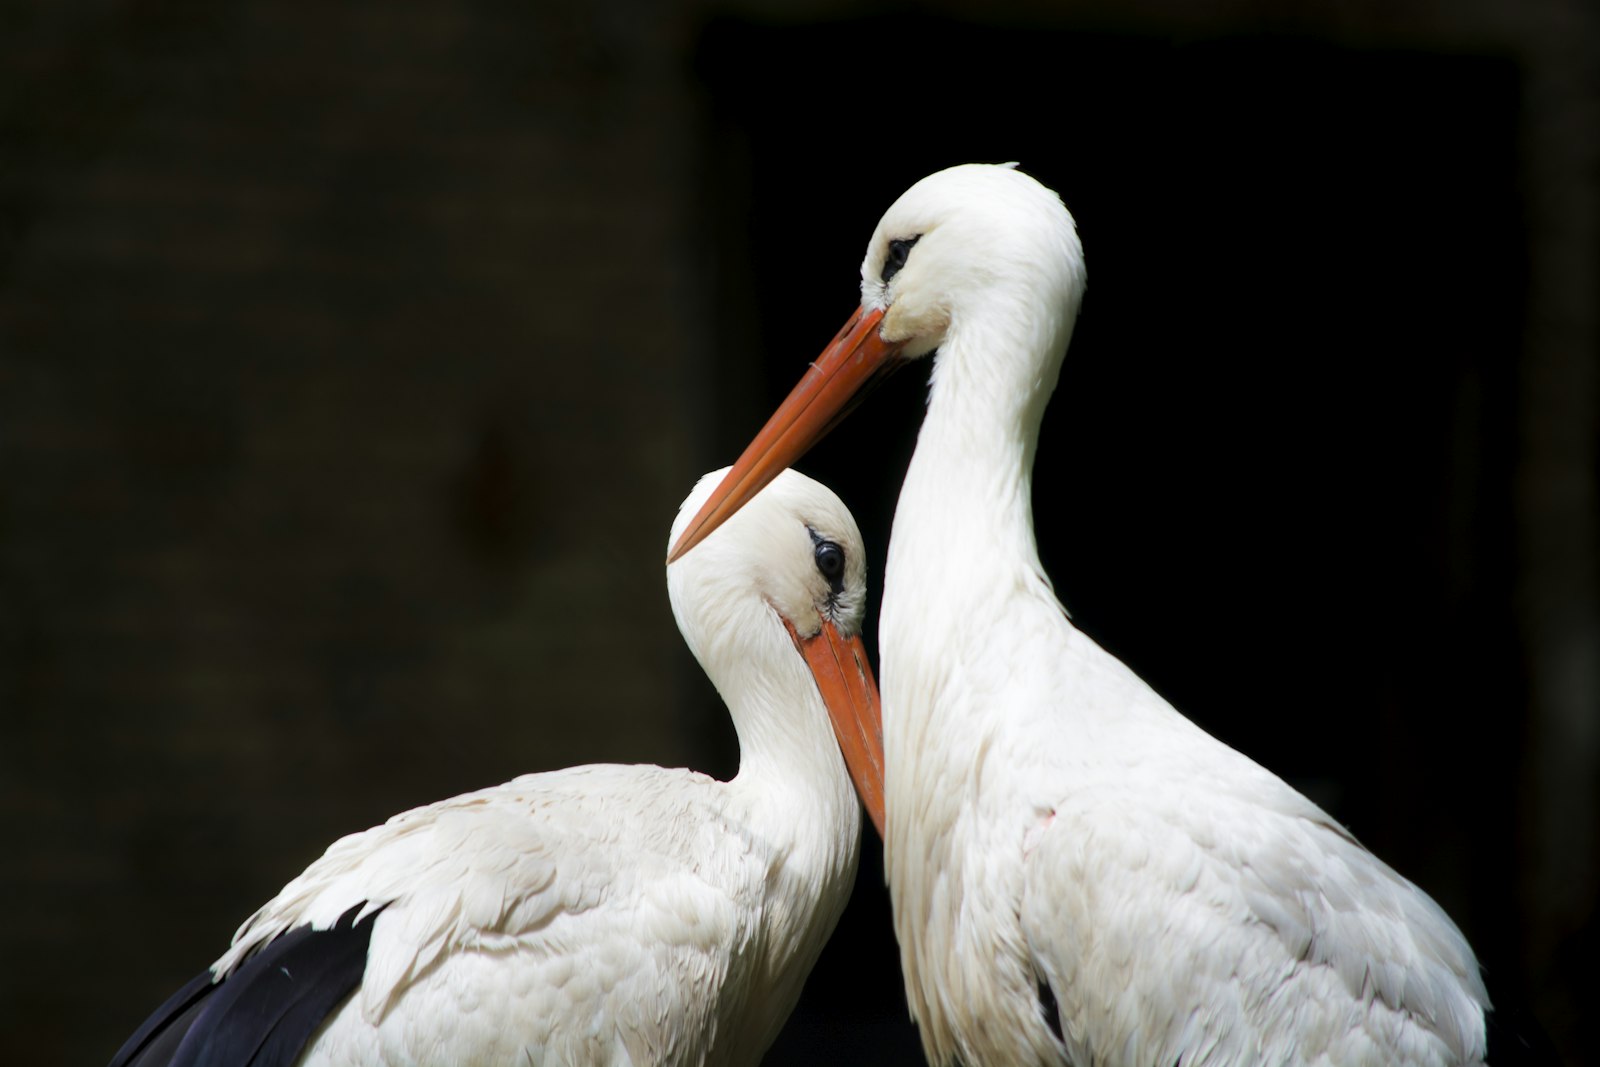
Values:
[(265, 1012), (595, 913), (1231, 921)]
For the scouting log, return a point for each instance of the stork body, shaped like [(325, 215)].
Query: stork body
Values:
[(1079, 874), (596, 915)]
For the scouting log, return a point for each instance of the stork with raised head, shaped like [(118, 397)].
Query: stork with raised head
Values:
[(602, 914), (1078, 873)]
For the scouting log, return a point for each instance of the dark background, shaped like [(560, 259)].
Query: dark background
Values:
[(353, 361)]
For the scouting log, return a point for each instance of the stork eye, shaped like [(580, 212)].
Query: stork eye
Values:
[(830, 563), (899, 249)]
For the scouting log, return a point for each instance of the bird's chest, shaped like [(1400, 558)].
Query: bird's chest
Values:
[(957, 856), (957, 893), (968, 796)]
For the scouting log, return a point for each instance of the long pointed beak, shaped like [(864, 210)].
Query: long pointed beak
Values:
[(844, 678), (854, 358)]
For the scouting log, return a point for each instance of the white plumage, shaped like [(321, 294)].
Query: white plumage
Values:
[(1079, 874), (622, 914)]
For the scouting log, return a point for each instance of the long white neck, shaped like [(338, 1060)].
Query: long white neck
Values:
[(794, 796), (787, 752), (963, 528)]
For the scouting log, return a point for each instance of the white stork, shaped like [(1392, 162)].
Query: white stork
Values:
[(1079, 874), (602, 914)]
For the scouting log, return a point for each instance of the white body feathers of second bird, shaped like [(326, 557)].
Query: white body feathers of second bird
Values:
[(1079, 874)]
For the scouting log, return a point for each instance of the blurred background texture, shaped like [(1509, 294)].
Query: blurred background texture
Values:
[(354, 358)]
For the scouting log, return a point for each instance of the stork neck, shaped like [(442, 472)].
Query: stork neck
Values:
[(788, 755), (785, 744), (965, 515)]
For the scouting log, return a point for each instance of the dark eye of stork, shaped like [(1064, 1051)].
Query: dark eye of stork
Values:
[(830, 562), (899, 249)]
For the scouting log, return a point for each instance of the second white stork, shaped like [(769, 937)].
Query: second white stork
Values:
[(603, 914), (1078, 873)]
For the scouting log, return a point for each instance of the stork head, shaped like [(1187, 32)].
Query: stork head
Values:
[(788, 570), (973, 244), (964, 242)]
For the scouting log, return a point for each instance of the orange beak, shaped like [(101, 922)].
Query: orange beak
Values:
[(856, 356), (844, 678)]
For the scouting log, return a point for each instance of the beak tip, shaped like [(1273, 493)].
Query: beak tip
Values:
[(809, 412), (686, 540)]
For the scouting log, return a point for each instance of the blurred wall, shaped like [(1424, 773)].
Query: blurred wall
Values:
[(353, 361)]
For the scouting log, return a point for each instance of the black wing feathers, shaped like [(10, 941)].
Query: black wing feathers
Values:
[(155, 1040), (262, 1014)]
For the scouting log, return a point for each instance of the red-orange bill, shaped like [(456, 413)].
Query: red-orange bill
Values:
[(854, 358), (844, 678)]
